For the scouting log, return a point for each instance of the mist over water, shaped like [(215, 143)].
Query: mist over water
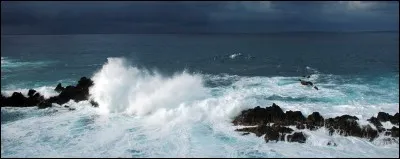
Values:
[(151, 112)]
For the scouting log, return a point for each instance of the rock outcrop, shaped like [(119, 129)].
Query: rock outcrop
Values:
[(274, 124), (78, 93)]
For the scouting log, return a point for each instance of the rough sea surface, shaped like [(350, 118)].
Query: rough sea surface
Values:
[(176, 95)]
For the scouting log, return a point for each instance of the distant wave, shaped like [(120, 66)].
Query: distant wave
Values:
[(8, 64), (235, 55)]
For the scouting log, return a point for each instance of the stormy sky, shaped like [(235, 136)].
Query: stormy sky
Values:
[(80, 17)]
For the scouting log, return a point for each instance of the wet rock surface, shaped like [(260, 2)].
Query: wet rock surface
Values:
[(274, 124), (78, 93)]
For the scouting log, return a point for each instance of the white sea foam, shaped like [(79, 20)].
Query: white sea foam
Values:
[(235, 55), (46, 91), (144, 114), (8, 64)]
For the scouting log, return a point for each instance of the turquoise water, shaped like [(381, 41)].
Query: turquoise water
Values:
[(175, 95)]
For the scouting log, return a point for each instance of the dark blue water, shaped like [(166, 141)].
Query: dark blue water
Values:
[(73, 56)]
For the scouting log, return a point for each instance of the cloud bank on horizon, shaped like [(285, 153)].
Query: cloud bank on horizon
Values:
[(196, 17)]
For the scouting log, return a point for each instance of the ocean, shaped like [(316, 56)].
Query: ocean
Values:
[(171, 95)]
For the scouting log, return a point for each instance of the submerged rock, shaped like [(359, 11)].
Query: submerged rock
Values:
[(395, 132), (297, 137), (331, 143)]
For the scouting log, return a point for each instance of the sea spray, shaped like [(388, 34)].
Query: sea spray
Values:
[(122, 88)]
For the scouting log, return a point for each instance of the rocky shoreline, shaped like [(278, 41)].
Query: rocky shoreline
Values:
[(275, 124), (271, 121), (78, 93)]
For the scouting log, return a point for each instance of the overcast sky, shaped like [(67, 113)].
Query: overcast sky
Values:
[(196, 17)]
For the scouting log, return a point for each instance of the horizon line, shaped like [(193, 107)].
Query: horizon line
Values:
[(208, 33)]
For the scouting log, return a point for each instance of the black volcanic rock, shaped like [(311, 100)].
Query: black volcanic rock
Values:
[(31, 92), (395, 132), (383, 117), (259, 115), (376, 123), (2, 99), (395, 119), (345, 122), (94, 104), (59, 88), (294, 117), (276, 133), (300, 126), (259, 130), (314, 121), (297, 137), (16, 99), (77, 93), (346, 125)]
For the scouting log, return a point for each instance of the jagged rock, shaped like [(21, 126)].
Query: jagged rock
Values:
[(314, 121), (44, 104), (77, 93), (395, 119), (2, 99), (297, 137), (271, 135), (94, 104), (59, 88), (276, 133), (294, 117), (347, 125), (300, 126), (31, 92), (17, 99), (368, 132), (383, 117), (71, 109), (395, 132), (343, 125), (259, 130), (259, 115), (376, 123)]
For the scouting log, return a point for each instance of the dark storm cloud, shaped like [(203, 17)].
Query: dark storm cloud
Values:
[(195, 17)]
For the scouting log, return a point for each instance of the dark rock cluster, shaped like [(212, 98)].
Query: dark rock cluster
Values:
[(273, 123), (78, 93)]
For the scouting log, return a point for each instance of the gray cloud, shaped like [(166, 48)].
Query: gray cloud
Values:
[(195, 17)]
